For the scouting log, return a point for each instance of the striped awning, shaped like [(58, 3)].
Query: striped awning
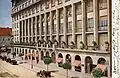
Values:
[(101, 66), (76, 63), (59, 60)]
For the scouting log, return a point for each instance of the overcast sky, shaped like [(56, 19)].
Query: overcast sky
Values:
[(5, 13)]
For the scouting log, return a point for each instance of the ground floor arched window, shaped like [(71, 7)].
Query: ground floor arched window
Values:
[(53, 56), (88, 64), (47, 54), (77, 63), (42, 55), (102, 65), (68, 58), (60, 60)]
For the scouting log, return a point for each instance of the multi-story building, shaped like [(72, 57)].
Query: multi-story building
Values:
[(67, 30), (5, 39)]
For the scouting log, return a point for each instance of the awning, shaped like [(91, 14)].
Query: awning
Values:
[(101, 66), (59, 60), (76, 63)]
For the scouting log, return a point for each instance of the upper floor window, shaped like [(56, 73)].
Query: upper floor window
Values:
[(53, 3), (79, 26), (69, 30), (78, 8), (103, 23), (69, 12), (90, 24), (60, 1), (89, 5), (67, 0), (102, 4)]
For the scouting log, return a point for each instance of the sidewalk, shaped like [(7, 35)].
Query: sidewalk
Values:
[(52, 66)]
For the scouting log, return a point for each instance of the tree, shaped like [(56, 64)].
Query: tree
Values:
[(97, 73), (47, 61), (14, 54), (67, 66)]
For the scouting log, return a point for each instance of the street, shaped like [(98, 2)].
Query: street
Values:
[(25, 71)]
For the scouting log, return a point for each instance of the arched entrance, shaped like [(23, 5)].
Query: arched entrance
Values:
[(29, 55), (33, 55), (26, 56), (101, 61), (77, 63), (68, 58), (37, 56), (88, 64), (47, 54), (60, 60), (42, 55), (102, 65), (53, 56)]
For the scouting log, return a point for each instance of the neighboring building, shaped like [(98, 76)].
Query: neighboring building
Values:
[(78, 31), (5, 38)]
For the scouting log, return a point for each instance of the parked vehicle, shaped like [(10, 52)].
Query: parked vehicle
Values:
[(8, 60), (13, 62)]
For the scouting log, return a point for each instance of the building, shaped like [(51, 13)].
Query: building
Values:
[(5, 38), (67, 30)]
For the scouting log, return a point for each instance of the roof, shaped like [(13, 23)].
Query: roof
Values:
[(5, 31)]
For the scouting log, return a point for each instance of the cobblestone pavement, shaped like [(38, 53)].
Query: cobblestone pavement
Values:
[(25, 70)]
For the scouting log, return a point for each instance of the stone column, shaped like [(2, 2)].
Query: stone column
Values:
[(45, 26), (28, 30), (84, 23), (25, 29), (22, 30), (35, 29), (58, 24), (32, 29), (51, 24), (19, 31), (73, 23), (96, 19), (40, 25), (65, 24), (109, 8)]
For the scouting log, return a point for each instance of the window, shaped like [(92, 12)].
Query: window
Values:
[(89, 6), (89, 40), (67, 0), (33, 11), (59, 1), (53, 3), (79, 26), (103, 23), (43, 28), (102, 39), (69, 11), (69, 27), (78, 8), (48, 29), (90, 24), (47, 4), (61, 28), (102, 4), (61, 14), (37, 9), (54, 29)]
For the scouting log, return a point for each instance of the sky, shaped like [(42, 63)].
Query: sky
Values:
[(5, 13)]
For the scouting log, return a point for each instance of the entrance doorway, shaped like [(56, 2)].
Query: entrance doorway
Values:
[(88, 64)]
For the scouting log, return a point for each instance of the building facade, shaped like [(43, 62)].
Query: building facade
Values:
[(67, 30), (5, 39)]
